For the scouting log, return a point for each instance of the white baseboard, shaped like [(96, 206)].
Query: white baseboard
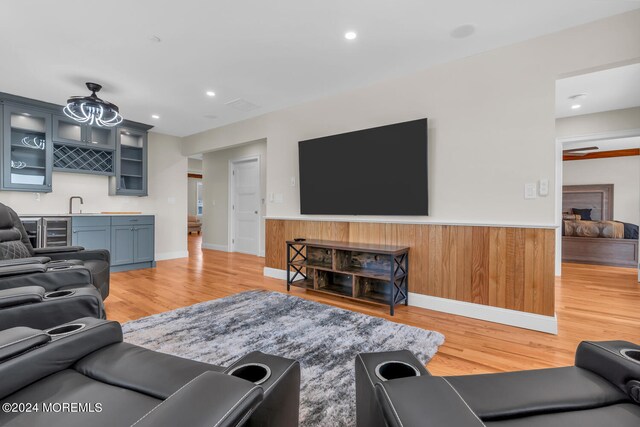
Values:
[(520, 319), (171, 255), (215, 247), (278, 274), (275, 273)]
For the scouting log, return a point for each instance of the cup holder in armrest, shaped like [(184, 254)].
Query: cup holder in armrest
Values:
[(631, 354), (65, 329), (257, 373), (394, 369), (58, 294)]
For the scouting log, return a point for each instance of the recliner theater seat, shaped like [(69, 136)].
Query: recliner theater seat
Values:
[(86, 363), (602, 389), (16, 250)]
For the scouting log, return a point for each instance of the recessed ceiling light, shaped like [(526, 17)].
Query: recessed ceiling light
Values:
[(463, 31), (350, 35), (155, 116), (575, 106), (211, 93)]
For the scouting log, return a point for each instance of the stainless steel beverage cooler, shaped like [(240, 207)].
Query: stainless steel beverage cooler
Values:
[(47, 232)]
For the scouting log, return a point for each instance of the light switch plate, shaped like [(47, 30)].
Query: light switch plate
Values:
[(293, 181), (530, 191), (543, 187)]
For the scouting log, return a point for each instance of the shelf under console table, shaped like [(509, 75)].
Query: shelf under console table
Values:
[(377, 274)]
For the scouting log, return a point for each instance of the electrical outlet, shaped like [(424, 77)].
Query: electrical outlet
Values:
[(278, 198)]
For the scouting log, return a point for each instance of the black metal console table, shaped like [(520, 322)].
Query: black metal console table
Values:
[(373, 273)]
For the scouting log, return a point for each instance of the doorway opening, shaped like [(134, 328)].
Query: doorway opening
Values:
[(598, 168)]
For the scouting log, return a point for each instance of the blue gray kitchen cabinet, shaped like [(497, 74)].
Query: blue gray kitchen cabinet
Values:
[(129, 238), (132, 242), (92, 232), (26, 154)]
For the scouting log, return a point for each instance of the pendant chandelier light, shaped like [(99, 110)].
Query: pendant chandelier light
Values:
[(93, 110)]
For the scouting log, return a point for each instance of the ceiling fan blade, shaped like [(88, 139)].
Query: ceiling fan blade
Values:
[(574, 150)]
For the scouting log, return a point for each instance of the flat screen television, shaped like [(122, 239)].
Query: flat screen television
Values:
[(378, 171)]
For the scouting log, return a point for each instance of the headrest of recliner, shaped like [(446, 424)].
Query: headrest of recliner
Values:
[(5, 217)]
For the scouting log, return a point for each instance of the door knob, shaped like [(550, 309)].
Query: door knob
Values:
[(255, 212)]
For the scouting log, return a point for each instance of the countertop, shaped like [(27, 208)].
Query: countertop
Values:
[(80, 214)]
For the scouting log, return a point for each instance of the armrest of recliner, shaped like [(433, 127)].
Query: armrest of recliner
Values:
[(23, 261), (281, 403), (40, 275), (16, 341), (57, 353), (14, 270), (57, 249), (606, 359), (424, 402), (83, 255), (18, 296), (229, 402)]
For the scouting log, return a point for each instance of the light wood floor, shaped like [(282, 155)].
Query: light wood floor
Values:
[(592, 302)]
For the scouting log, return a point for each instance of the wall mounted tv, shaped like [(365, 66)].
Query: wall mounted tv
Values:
[(378, 171)]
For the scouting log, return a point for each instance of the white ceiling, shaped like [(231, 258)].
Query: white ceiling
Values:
[(611, 89), (273, 53)]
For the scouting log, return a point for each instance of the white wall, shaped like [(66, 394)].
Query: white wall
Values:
[(195, 166), (622, 172), (216, 193), (492, 125), (167, 198), (597, 123), (192, 195)]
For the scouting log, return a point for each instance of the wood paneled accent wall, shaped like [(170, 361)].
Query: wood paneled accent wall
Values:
[(505, 267)]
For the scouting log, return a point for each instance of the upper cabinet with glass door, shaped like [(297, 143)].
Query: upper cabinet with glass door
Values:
[(26, 149), (131, 163), (68, 131)]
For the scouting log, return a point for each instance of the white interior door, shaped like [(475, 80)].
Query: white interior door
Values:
[(245, 206)]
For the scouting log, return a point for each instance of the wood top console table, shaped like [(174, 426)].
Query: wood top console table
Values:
[(373, 273)]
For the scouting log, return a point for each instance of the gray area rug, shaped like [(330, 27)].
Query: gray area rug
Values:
[(324, 339)]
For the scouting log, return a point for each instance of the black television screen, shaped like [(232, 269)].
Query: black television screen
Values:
[(378, 171)]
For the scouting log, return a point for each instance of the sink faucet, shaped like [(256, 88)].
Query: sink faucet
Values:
[(71, 203)]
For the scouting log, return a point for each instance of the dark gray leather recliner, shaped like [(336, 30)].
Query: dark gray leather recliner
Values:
[(89, 364), (79, 267), (602, 389)]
